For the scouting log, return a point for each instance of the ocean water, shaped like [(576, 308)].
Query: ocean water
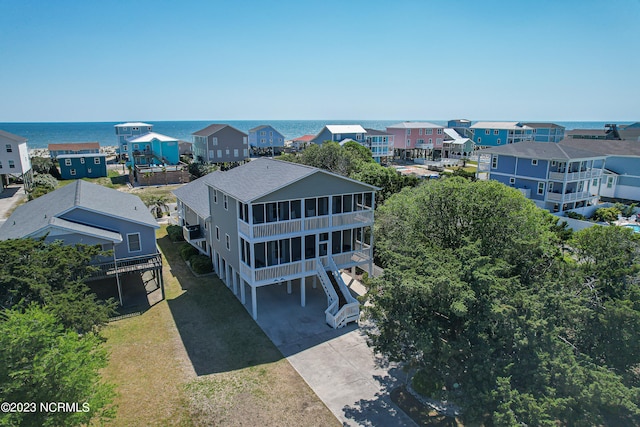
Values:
[(39, 135)]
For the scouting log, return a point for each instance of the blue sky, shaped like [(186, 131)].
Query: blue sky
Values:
[(350, 59)]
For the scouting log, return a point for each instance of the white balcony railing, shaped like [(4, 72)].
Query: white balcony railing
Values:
[(575, 176), (357, 218), (568, 197)]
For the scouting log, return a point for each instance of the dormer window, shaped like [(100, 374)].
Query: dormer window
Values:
[(534, 162)]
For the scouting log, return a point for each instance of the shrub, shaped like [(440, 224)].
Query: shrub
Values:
[(606, 214), (175, 233), (575, 215), (201, 264), (187, 251)]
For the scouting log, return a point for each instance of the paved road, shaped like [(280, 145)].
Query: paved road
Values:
[(9, 198)]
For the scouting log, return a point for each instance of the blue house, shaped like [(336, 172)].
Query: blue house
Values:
[(546, 132), (621, 146), (494, 134), (339, 133), (264, 139), (85, 213), (56, 150), (555, 177), (154, 149), (74, 166), (128, 130)]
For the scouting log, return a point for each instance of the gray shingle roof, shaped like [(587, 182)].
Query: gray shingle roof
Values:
[(196, 194), (542, 125), (214, 128), (376, 132), (37, 214), (541, 150), (263, 176), (12, 137), (605, 146)]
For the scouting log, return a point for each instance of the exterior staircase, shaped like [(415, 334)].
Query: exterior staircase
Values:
[(342, 308)]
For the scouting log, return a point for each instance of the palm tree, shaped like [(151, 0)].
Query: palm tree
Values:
[(158, 205)]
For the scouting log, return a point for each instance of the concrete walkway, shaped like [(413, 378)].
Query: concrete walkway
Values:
[(337, 364), (8, 199)]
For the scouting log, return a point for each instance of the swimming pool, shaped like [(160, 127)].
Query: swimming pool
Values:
[(635, 228)]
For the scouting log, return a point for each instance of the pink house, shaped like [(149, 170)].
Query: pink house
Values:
[(417, 140)]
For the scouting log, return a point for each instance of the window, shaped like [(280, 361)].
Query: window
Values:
[(494, 162), (124, 147), (133, 242), (245, 152), (358, 137), (263, 141), (496, 132), (498, 141), (595, 181), (487, 132), (512, 180), (429, 132), (225, 201), (227, 241), (136, 146), (12, 164), (439, 131), (215, 140), (235, 152), (534, 162), (0, 165), (72, 171), (88, 170), (215, 196), (430, 140), (244, 140), (227, 152), (541, 188), (419, 131), (82, 160), (135, 128), (219, 153), (479, 140), (263, 133), (217, 233), (67, 162), (96, 160), (9, 148), (553, 163), (408, 132), (609, 181), (408, 142)]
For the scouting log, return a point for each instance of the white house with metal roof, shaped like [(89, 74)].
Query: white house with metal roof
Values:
[(86, 213), (272, 222)]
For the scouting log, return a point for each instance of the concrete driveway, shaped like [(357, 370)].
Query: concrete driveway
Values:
[(338, 365), (9, 198)]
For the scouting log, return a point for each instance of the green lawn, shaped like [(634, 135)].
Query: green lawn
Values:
[(198, 358), (112, 180)]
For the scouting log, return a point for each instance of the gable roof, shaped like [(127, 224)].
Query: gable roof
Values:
[(39, 213), (196, 194), (541, 150), (214, 128), (414, 125), (498, 125), (376, 132), (612, 147), (304, 138), (542, 125), (150, 136), (263, 176), (12, 137), (74, 146), (132, 124), (345, 129)]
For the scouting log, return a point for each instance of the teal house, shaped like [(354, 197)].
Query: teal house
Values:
[(86, 165)]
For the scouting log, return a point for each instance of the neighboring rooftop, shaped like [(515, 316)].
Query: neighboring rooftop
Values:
[(345, 129), (150, 136), (498, 125), (304, 138), (538, 150), (12, 137), (38, 214), (80, 155), (214, 128), (74, 146), (543, 125), (414, 125), (132, 124), (376, 132), (196, 194)]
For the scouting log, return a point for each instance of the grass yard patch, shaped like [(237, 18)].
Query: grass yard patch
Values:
[(198, 358)]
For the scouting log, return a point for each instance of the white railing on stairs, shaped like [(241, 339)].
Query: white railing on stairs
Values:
[(349, 312)]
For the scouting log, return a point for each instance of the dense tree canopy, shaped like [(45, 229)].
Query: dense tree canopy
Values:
[(479, 297)]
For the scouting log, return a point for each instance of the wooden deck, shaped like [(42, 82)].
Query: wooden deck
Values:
[(128, 265)]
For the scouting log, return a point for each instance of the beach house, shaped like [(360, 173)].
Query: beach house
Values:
[(220, 143), (546, 132), (494, 134), (380, 143), (73, 148), (265, 139), (417, 140), (14, 159), (621, 145), (270, 222), (340, 133), (555, 177), (91, 214), (85, 165), (124, 131)]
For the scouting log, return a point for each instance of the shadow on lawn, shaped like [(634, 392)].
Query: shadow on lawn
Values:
[(217, 332)]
